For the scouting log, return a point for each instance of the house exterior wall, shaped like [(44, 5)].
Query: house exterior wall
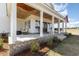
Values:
[(20, 24), (49, 28), (4, 19), (33, 24), (32, 29), (4, 25)]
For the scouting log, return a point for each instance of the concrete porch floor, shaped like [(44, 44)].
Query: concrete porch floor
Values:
[(28, 37)]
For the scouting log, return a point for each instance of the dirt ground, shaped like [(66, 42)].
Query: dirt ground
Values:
[(73, 31), (5, 50)]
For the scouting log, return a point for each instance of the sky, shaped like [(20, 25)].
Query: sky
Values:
[(70, 9), (73, 11)]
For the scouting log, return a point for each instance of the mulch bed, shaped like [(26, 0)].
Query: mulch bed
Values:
[(24, 53), (41, 52), (5, 50), (2, 49), (43, 49)]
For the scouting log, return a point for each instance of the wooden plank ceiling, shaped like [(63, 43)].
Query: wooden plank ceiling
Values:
[(23, 11)]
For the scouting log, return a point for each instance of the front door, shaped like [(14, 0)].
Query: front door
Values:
[(45, 27)]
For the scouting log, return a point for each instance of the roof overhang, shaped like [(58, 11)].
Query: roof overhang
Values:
[(46, 9)]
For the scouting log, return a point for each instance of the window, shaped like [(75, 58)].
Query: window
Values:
[(29, 23), (37, 22)]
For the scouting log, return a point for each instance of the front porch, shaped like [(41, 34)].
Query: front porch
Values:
[(29, 15), (28, 37), (32, 17)]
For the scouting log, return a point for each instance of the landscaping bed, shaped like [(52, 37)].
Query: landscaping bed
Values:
[(5, 50), (40, 49), (28, 52), (4, 47)]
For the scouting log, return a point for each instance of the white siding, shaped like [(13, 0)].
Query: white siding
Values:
[(20, 24), (32, 26), (4, 25), (3, 9), (33, 19), (4, 20)]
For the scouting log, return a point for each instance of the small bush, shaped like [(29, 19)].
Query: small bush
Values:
[(4, 36), (1, 43), (50, 42), (56, 41), (68, 34), (34, 46)]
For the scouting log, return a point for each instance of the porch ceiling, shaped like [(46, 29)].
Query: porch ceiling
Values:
[(23, 11), (56, 20)]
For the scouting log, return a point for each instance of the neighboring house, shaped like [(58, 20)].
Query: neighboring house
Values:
[(28, 17)]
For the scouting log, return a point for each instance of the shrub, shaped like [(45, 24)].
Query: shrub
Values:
[(56, 41), (34, 46), (4, 36), (50, 42), (1, 43), (68, 34)]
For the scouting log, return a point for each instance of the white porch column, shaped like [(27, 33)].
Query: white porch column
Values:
[(13, 24), (41, 23), (63, 28), (59, 26), (53, 25)]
